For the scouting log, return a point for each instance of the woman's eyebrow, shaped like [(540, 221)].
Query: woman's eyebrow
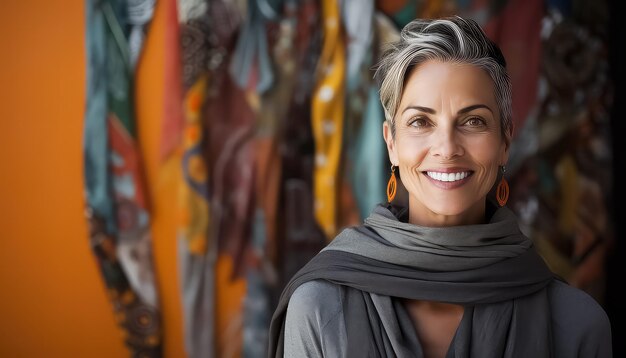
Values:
[(420, 108), (473, 107), (461, 111)]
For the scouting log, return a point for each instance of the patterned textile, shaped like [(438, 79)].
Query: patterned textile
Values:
[(260, 271), (197, 262), (277, 130), (563, 186), (327, 119), (299, 237), (117, 206), (197, 245), (228, 115)]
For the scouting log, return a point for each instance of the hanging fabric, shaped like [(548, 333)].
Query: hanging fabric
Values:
[(172, 120), (301, 237), (401, 12), (196, 247), (229, 116), (116, 199), (364, 153), (516, 28), (197, 263), (252, 48), (327, 119), (261, 274)]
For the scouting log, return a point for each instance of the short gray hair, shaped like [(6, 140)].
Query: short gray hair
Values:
[(451, 39)]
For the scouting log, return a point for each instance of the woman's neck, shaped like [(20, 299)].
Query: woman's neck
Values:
[(423, 216)]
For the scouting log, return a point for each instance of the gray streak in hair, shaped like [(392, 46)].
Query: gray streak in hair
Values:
[(452, 39)]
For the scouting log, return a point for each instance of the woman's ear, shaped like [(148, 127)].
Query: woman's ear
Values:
[(507, 148), (391, 143)]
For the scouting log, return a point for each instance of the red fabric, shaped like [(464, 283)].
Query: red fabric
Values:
[(173, 122), (391, 6), (129, 165), (516, 29)]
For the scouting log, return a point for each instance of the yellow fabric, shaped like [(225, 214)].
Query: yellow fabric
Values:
[(567, 176), (327, 119), (194, 209)]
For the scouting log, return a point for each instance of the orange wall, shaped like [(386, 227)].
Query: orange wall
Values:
[(52, 300)]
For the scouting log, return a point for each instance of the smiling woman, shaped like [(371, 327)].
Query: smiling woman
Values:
[(448, 143), (451, 274)]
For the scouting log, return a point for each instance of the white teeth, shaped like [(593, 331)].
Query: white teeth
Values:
[(448, 176)]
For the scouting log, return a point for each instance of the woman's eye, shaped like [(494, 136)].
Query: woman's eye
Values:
[(475, 122), (419, 122)]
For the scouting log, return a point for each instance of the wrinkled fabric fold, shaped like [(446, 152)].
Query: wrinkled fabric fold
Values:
[(386, 260), (433, 248)]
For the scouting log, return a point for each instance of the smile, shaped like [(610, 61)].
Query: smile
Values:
[(448, 177)]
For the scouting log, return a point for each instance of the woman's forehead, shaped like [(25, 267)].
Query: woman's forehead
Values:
[(435, 81)]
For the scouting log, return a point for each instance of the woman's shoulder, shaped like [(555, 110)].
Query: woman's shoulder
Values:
[(320, 300), (578, 320), (572, 302), (314, 325)]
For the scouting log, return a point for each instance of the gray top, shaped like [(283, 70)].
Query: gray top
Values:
[(343, 303), (315, 322)]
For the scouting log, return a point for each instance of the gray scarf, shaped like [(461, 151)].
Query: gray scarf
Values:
[(491, 269)]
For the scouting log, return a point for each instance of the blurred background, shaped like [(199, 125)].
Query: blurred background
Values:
[(167, 165)]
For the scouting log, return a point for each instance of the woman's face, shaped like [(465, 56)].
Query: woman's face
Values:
[(448, 143)]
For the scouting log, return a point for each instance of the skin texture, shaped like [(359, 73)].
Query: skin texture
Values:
[(447, 121)]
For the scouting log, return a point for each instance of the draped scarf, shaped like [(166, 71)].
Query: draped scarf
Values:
[(491, 269)]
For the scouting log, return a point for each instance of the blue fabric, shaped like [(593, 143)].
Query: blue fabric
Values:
[(95, 141)]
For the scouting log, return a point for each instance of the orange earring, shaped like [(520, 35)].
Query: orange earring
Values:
[(502, 191), (392, 185)]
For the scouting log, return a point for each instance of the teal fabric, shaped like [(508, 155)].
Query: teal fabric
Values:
[(98, 180), (252, 45), (369, 156)]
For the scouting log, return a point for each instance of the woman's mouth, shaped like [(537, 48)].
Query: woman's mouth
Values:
[(448, 179), (448, 176)]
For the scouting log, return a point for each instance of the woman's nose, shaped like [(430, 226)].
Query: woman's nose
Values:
[(446, 144)]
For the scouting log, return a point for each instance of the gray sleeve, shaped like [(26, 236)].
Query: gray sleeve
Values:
[(314, 325), (580, 325)]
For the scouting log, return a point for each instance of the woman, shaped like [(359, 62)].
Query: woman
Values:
[(451, 275)]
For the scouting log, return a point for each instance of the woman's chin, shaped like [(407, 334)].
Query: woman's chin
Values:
[(449, 210)]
